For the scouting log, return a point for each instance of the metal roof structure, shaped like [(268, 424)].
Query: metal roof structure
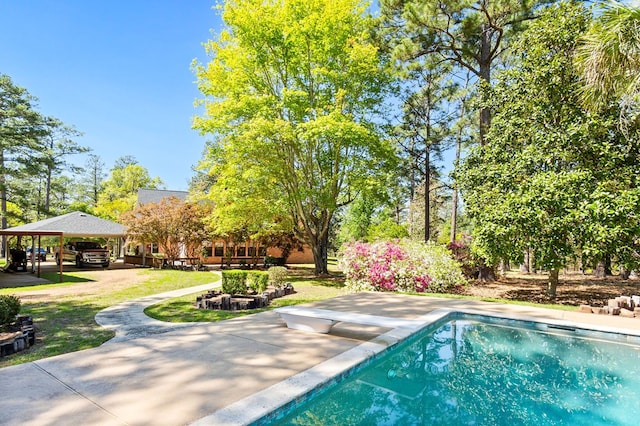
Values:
[(146, 196), (74, 224)]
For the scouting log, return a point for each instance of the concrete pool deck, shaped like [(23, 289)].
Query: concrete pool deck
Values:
[(184, 375)]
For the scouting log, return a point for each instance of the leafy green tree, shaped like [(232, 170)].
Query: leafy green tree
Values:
[(57, 144), (93, 179), (20, 130), (552, 179), (173, 224), (386, 230), (291, 93), (120, 191), (357, 219)]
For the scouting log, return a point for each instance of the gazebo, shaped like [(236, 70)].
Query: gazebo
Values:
[(75, 224)]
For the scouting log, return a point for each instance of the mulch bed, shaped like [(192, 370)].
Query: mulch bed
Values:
[(574, 289)]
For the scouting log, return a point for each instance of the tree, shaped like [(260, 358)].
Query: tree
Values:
[(20, 128), (173, 224), (463, 135), (609, 59), (470, 34), (120, 191), (94, 169), (424, 130), (291, 93), (58, 144), (552, 178)]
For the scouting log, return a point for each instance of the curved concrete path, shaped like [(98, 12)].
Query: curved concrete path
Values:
[(129, 321)]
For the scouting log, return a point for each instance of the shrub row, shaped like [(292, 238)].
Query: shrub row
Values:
[(239, 281)]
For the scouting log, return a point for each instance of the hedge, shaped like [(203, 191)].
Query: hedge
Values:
[(234, 282)]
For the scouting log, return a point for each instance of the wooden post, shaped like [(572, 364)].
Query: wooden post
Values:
[(60, 256)]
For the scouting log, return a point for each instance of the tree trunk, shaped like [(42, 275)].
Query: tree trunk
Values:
[(607, 265), (485, 272), (525, 268), (552, 285), (319, 250), (427, 184), (454, 215), (454, 198), (484, 65), (600, 270), (624, 273), (3, 205)]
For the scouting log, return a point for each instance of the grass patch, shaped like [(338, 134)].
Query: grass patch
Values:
[(182, 309), (66, 323), (68, 278)]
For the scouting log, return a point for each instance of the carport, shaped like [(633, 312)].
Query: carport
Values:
[(70, 225)]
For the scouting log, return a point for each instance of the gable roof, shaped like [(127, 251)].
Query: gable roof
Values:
[(146, 196), (75, 224)]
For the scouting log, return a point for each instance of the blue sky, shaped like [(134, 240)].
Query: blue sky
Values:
[(117, 70)]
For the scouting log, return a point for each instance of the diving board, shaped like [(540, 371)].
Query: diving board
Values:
[(321, 320)]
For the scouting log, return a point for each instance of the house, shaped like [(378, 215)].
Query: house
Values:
[(219, 252)]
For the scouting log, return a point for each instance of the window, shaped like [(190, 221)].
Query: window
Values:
[(251, 251), (262, 251), (219, 250), (242, 251)]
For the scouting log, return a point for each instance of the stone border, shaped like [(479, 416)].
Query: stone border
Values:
[(625, 306)]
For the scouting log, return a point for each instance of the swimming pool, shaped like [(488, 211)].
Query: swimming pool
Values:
[(469, 369)]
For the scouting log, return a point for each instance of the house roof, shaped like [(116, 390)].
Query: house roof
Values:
[(75, 224), (146, 196)]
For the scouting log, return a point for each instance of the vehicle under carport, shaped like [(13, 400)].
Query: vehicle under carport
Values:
[(70, 225)]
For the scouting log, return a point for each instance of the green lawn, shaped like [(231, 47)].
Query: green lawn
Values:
[(182, 309), (66, 323)]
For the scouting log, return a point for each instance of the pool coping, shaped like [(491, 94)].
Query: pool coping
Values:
[(255, 407)]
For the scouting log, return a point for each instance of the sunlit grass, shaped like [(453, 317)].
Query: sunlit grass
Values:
[(66, 323), (182, 309)]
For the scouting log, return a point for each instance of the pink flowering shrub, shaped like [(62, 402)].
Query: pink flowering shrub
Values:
[(405, 266)]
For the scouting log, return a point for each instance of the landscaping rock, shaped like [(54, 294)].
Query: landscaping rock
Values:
[(233, 302), (626, 313), (599, 311), (585, 309), (614, 311)]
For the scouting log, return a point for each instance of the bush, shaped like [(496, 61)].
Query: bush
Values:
[(257, 280), (274, 261), (400, 266), (9, 308), (234, 282), (277, 275), (461, 250)]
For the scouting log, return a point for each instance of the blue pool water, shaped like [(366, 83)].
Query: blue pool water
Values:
[(469, 370)]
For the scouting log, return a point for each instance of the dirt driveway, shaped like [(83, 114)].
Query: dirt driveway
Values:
[(93, 281)]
